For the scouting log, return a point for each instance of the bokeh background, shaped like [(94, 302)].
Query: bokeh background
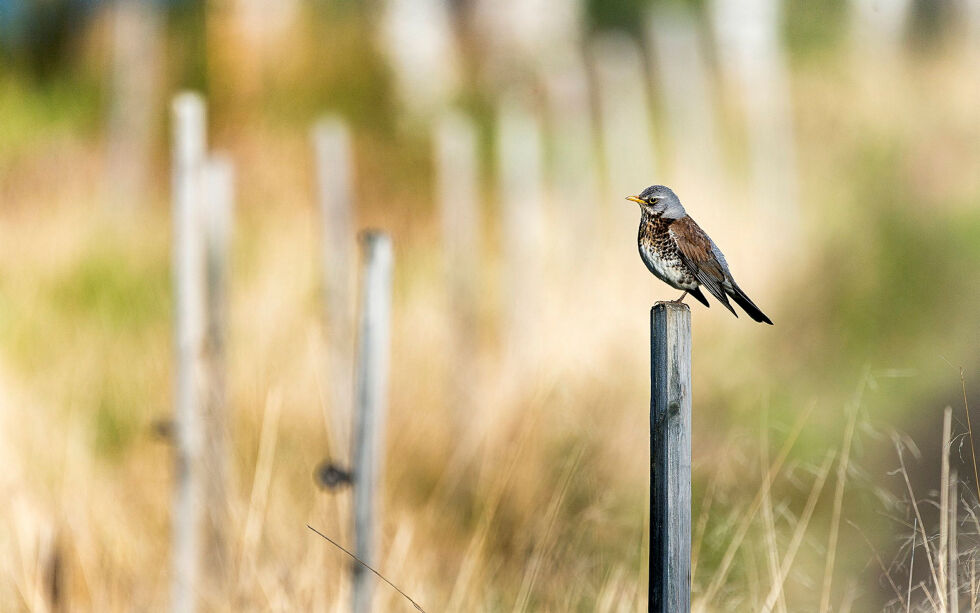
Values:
[(832, 149)]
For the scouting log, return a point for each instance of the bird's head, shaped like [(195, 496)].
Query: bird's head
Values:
[(659, 200)]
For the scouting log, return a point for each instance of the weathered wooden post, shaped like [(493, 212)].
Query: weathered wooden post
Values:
[(751, 53), (670, 458), (519, 154), (137, 54), (952, 549), (626, 126), (682, 78), (878, 28), (334, 172), (419, 40), (457, 166), (217, 213), (371, 384), (188, 157), (573, 172)]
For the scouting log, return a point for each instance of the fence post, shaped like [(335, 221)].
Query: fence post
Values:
[(682, 77), (334, 171), (626, 127), (217, 212), (137, 62), (573, 173), (371, 383), (670, 458), (457, 179), (748, 41), (519, 153), (953, 550), (188, 156)]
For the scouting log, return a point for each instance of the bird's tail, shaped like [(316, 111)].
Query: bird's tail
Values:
[(747, 305), (696, 292)]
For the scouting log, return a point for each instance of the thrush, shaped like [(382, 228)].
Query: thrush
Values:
[(678, 252)]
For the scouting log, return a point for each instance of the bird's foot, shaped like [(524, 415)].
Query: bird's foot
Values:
[(681, 299)]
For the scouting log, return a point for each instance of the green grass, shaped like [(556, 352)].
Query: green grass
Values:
[(110, 307), (112, 289), (37, 112)]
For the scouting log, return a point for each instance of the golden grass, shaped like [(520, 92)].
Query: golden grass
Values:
[(534, 501)]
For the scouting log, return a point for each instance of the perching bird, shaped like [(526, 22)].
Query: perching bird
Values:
[(678, 252)]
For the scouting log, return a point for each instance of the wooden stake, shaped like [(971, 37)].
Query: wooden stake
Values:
[(188, 156), (954, 580), (374, 323), (519, 153), (136, 62), (670, 458), (627, 129), (334, 197), (217, 209), (686, 90), (943, 587), (748, 38), (457, 168), (574, 166)]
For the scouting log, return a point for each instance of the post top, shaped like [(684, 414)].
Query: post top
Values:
[(671, 305)]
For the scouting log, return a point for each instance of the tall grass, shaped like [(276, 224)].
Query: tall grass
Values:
[(537, 499)]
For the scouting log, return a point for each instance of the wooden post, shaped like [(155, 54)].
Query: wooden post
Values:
[(626, 128), (751, 53), (573, 172), (55, 577), (217, 210), (878, 28), (373, 345), (419, 41), (685, 88), (519, 153), (457, 167), (188, 157), (670, 458), (973, 26), (137, 53), (331, 141), (942, 555), (953, 572)]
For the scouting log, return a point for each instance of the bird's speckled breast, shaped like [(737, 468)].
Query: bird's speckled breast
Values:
[(660, 253)]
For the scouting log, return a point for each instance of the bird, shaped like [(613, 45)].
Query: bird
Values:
[(678, 252)]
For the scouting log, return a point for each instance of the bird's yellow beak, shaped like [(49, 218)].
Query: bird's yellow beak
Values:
[(634, 199)]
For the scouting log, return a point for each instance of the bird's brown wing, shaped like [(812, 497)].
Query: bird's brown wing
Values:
[(698, 254)]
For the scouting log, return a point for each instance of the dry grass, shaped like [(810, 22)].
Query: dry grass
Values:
[(535, 500)]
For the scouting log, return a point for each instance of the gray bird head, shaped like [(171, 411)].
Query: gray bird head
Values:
[(659, 200)]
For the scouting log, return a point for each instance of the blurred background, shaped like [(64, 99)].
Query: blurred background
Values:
[(831, 149)]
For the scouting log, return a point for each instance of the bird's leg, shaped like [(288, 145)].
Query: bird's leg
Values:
[(681, 299)]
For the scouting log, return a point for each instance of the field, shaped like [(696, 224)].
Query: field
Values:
[(520, 482)]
